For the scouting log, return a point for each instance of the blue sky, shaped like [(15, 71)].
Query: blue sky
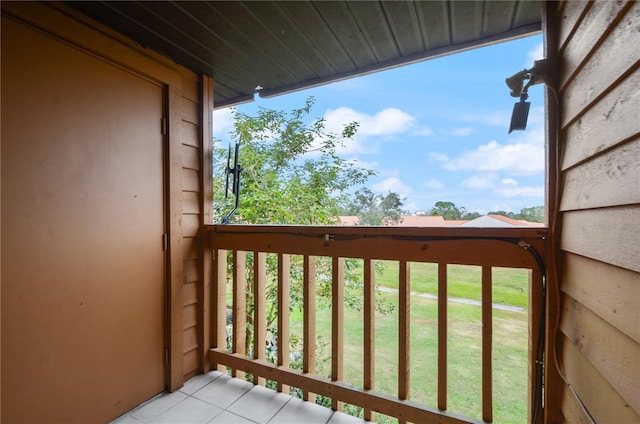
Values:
[(438, 129)]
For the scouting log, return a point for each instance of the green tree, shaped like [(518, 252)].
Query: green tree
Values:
[(503, 213), (447, 210), (471, 215), (291, 174), (532, 214), (375, 209)]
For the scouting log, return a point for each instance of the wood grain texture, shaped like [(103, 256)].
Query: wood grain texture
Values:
[(259, 309), (611, 61), (190, 362), (442, 336), (614, 119), (608, 235), (404, 325), (190, 294), (190, 202), (610, 179), (190, 157), (190, 225), (309, 320), (337, 325), (239, 321), (487, 342), (569, 14), (284, 301), (609, 291), (177, 245), (190, 180), (477, 246), (612, 353), (369, 330), (571, 407), (535, 310), (191, 109), (219, 303), (190, 134), (595, 24), (603, 402)]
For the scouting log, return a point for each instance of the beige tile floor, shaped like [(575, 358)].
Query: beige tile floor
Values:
[(217, 398)]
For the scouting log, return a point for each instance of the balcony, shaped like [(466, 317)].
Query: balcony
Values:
[(216, 398), (257, 263)]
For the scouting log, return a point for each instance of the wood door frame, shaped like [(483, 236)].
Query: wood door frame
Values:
[(97, 40)]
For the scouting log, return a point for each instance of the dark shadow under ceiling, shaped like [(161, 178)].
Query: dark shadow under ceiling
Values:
[(284, 46)]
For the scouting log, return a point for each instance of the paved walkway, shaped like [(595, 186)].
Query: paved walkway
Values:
[(459, 300)]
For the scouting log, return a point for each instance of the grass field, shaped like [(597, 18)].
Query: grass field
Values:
[(510, 342)]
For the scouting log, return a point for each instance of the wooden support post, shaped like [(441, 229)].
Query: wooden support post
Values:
[(309, 321), (442, 336), (487, 339), (535, 308), (369, 330), (239, 307), (284, 299), (219, 326), (337, 325), (404, 339), (259, 305)]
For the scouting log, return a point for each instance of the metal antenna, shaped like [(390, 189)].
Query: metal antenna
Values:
[(232, 172)]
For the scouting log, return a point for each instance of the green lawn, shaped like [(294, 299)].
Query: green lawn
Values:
[(510, 285), (510, 343)]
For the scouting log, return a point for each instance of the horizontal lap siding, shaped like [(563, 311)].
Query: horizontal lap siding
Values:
[(191, 143), (599, 330)]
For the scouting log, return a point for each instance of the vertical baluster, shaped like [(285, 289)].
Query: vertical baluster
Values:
[(284, 296), (535, 303), (309, 321), (259, 305), (239, 306), (487, 339), (219, 326), (337, 325), (403, 330), (369, 331), (442, 336)]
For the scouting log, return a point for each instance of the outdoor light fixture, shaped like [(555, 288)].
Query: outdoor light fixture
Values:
[(517, 87)]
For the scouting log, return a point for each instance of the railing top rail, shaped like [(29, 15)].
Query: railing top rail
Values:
[(376, 231), (499, 247)]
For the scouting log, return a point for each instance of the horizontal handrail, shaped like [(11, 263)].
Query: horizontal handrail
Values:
[(485, 247), (498, 247)]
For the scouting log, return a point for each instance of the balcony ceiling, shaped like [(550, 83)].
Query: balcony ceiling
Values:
[(284, 46)]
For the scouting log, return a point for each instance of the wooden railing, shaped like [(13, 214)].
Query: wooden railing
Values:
[(487, 248)]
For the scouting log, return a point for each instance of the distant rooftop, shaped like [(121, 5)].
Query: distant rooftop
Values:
[(491, 221)]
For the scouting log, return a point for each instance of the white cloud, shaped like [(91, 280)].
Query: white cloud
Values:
[(480, 182), (387, 121), (523, 157), (392, 184), (423, 131), (536, 54), (222, 122), (493, 119), (462, 131), (435, 184), (439, 157), (529, 191), (509, 182)]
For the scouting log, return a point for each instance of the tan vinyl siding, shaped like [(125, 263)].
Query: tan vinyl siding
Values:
[(599, 337)]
